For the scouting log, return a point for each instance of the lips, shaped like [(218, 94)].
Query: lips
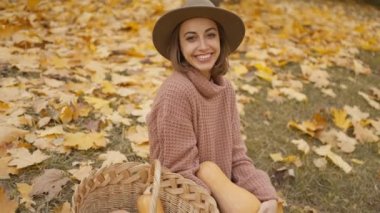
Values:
[(203, 57)]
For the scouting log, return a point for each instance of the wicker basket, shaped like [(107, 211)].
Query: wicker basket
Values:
[(118, 186)]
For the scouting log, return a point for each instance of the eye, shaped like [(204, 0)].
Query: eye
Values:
[(191, 38), (211, 35)]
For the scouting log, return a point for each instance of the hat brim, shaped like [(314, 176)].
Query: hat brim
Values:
[(231, 23)]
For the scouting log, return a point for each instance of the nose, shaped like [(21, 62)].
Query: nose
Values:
[(203, 44)]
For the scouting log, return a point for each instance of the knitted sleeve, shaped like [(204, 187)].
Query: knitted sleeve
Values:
[(171, 132), (244, 173)]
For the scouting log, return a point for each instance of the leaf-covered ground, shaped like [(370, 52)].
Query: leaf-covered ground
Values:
[(77, 79)]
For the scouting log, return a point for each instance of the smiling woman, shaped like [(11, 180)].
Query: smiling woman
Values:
[(194, 118)]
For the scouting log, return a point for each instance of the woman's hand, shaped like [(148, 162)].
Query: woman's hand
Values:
[(269, 206)]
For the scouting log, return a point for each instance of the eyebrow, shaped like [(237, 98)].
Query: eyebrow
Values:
[(192, 32)]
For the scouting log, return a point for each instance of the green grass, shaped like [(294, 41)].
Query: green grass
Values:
[(330, 190)]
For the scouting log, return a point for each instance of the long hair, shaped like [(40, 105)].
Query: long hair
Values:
[(179, 62)]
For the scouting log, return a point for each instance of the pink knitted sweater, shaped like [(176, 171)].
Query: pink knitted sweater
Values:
[(195, 120)]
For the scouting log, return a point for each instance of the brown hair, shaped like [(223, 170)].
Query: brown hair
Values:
[(180, 64)]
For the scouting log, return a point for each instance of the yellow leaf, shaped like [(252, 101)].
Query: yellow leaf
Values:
[(32, 4), (5, 170), (138, 134), (56, 130), (240, 69), (141, 150), (276, 157), (108, 88), (340, 118), (370, 100), (24, 190), (83, 141), (4, 106), (66, 114), (264, 72), (250, 89), (337, 160), (21, 157), (357, 161), (6, 204), (291, 93)]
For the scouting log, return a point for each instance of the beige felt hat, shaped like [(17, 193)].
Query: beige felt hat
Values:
[(231, 23)]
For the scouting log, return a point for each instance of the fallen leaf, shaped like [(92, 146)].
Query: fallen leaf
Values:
[(141, 150), (22, 158), (10, 133), (325, 150), (5, 170), (6, 204), (340, 118), (370, 100), (239, 69), (376, 92), (50, 183), (83, 141), (138, 134), (250, 89), (357, 161), (66, 114), (82, 172), (276, 157), (112, 157), (347, 144), (320, 163), (364, 135), (24, 190), (376, 125), (302, 145), (293, 94), (56, 130), (43, 121), (355, 113)]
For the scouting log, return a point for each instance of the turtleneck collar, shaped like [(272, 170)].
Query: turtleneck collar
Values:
[(207, 88)]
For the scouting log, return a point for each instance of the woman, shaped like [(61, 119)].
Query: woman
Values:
[(194, 118)]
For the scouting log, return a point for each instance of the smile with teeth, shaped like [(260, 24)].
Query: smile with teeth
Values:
[(204, 57)]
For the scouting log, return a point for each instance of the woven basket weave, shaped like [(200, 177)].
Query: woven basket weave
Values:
[(118, 186)]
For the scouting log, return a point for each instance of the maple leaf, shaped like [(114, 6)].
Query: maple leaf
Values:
[(112, 157), (355, 113), (311, 127), (5, 170), (24, 190), (83, 141), (50, 183), (340, 118), (363, 134), (21, 157), (347, 144), (6, 204), (10, 133)]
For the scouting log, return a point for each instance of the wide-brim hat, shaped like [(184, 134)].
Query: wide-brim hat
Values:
[(232, 24)]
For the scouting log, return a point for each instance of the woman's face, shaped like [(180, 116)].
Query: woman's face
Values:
[(200, 43)]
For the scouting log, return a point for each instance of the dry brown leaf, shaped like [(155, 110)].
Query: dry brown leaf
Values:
[(24, 190), (10, 133), (311, 127), (112, 157), (85, 141), (21, 157), (6, 204), (50, 183), (5, 170), (364, 135)]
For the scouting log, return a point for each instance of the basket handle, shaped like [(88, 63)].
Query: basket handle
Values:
[(156, 167)]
